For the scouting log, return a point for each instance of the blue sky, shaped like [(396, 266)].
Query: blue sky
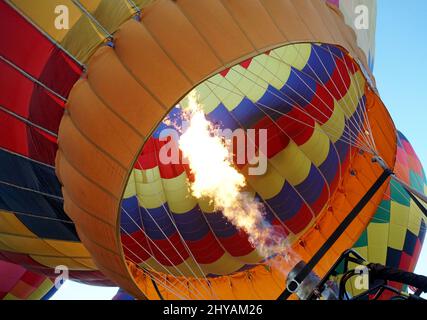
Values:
[(400, 71)]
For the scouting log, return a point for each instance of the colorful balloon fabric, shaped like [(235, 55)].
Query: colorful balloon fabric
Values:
[(34, 229), (17, 283), (84, 108), (307, 97), (396, 233)]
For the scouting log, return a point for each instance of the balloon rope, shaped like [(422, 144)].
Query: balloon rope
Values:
[(171, 217), (28, 122), (45, 34), (293, 187), (365, 120), (357, 93), (296, 92), (167, 271), (31, 78), (343, 138), (157, 247), (171, 287), (93, 19)]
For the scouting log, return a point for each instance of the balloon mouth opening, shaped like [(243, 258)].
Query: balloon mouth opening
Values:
[(306, 101)]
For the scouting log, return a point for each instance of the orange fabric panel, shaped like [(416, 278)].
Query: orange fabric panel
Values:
[(150, 64), (177, 36), (97, 228), (115, 84), (342, 203), (79, 152), (292, 26), (115, 142), (255, 21), (85, 193), (214, 22)]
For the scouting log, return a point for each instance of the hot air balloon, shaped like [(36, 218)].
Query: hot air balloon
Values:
[(85, 107), (396, 233)]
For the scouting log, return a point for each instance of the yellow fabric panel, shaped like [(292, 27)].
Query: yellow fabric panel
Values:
[(90, 5), (206, 205), (187, 268), (296, 55), (378, 238), (399, 214), (317, 147), (224, 88), (83, 36), (68, 248), (130, 190), (9, 223), (42, 13), (415, 216), (28, 245), (269, 70), (267, 185), (10, 296), (377, 254), (397, 236), (248, 83), (350, 101), (150, 194), (83, 39), (292, 164), (207, 96), (363, 251), (178, 194), (4, 246), (39, 293), (335, 125), (224, 265)]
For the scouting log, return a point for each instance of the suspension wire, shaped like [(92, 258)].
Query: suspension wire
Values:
[(170, 215), (302, 80), (134, 6), (169, 287), (301, 109), (365, 121), (280, 60), (93, 19), (361, 128), (205, 286), (262, 199), (179, 254), (163, 254), (198, 294), (366, 118), (46, 35), (293, 187), (31, 78), (26, 121)]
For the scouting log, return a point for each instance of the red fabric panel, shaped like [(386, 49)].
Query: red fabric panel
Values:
[(28, 100), (25, 140)]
